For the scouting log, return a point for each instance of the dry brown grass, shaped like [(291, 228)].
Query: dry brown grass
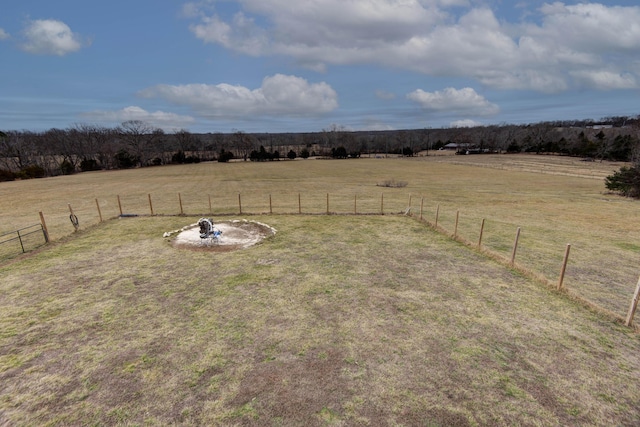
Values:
[(554, 200), (336, 320)]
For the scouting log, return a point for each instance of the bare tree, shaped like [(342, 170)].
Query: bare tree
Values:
[(243, 144), (107, 143), (64, 147), (540, 134), (18, 150), (138, 136), (635, 150), (185, 140), (506, 136)]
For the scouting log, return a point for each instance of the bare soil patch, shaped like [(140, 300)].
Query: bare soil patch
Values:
[(236, 234)]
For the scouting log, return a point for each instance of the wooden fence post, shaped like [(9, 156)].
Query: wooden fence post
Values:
[(270, 205), (327, 203), (119, 205), (382, 204), (99, 212), (481, 231), (455, 230), (180, 200), (150, 204), (515, 247), (44, 228), (564, 266), (240, 203), (421, 206), (299, 204), (355, 204), (634, 305), (437, 213), (210, 209), (410, 196), (73, 218)]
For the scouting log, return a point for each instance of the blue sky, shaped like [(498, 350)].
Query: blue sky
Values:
[(309, 65)]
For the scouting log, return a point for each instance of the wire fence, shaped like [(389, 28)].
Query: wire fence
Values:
[(546, 258), (22, 240)]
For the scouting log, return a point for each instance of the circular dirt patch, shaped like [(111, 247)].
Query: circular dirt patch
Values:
[(237, 234)]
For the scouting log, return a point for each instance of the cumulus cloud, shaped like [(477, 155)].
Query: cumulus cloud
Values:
[(50, 37), (279, 95), (438, 37), (605, 80), (465, 100), (590, 27), (241, 34), (160, 119), (3, 34)]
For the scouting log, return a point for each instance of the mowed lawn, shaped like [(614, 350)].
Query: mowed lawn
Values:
[(335, 320)]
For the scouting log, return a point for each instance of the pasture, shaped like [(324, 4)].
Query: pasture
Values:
[(335, 320)]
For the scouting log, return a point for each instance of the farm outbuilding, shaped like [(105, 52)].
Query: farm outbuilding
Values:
[(457, 146)]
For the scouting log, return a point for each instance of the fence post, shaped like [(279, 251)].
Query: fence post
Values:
[(421, 206), (119, 205), (327, 203), (73, 218), (410, 196), (382, 204), (45, 231), (210, 210), (20, 239), (299, 204), (455, 230), (437, 213), (634, 305), (180, 200), (515, 247), (481, 231), (270, 205), (355, 204), (150, 204), (99, 212), (564, 266), (240, 203)]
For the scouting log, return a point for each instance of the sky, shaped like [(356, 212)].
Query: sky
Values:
[(312, 65)]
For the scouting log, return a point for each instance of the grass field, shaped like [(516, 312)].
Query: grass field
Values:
[(336, 320)]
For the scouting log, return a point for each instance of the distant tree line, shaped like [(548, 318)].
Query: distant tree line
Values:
[(82, 147)]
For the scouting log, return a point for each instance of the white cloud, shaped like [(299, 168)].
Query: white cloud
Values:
[(438, 37), (313, 31), (591, 27), (3, 34), (278, 95), (241, 34), (466, 123), (465, 100), (160, 119), (50, 37), (606, 80)]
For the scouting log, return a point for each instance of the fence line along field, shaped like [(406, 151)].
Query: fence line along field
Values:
[(335, 320), (551, 208)]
